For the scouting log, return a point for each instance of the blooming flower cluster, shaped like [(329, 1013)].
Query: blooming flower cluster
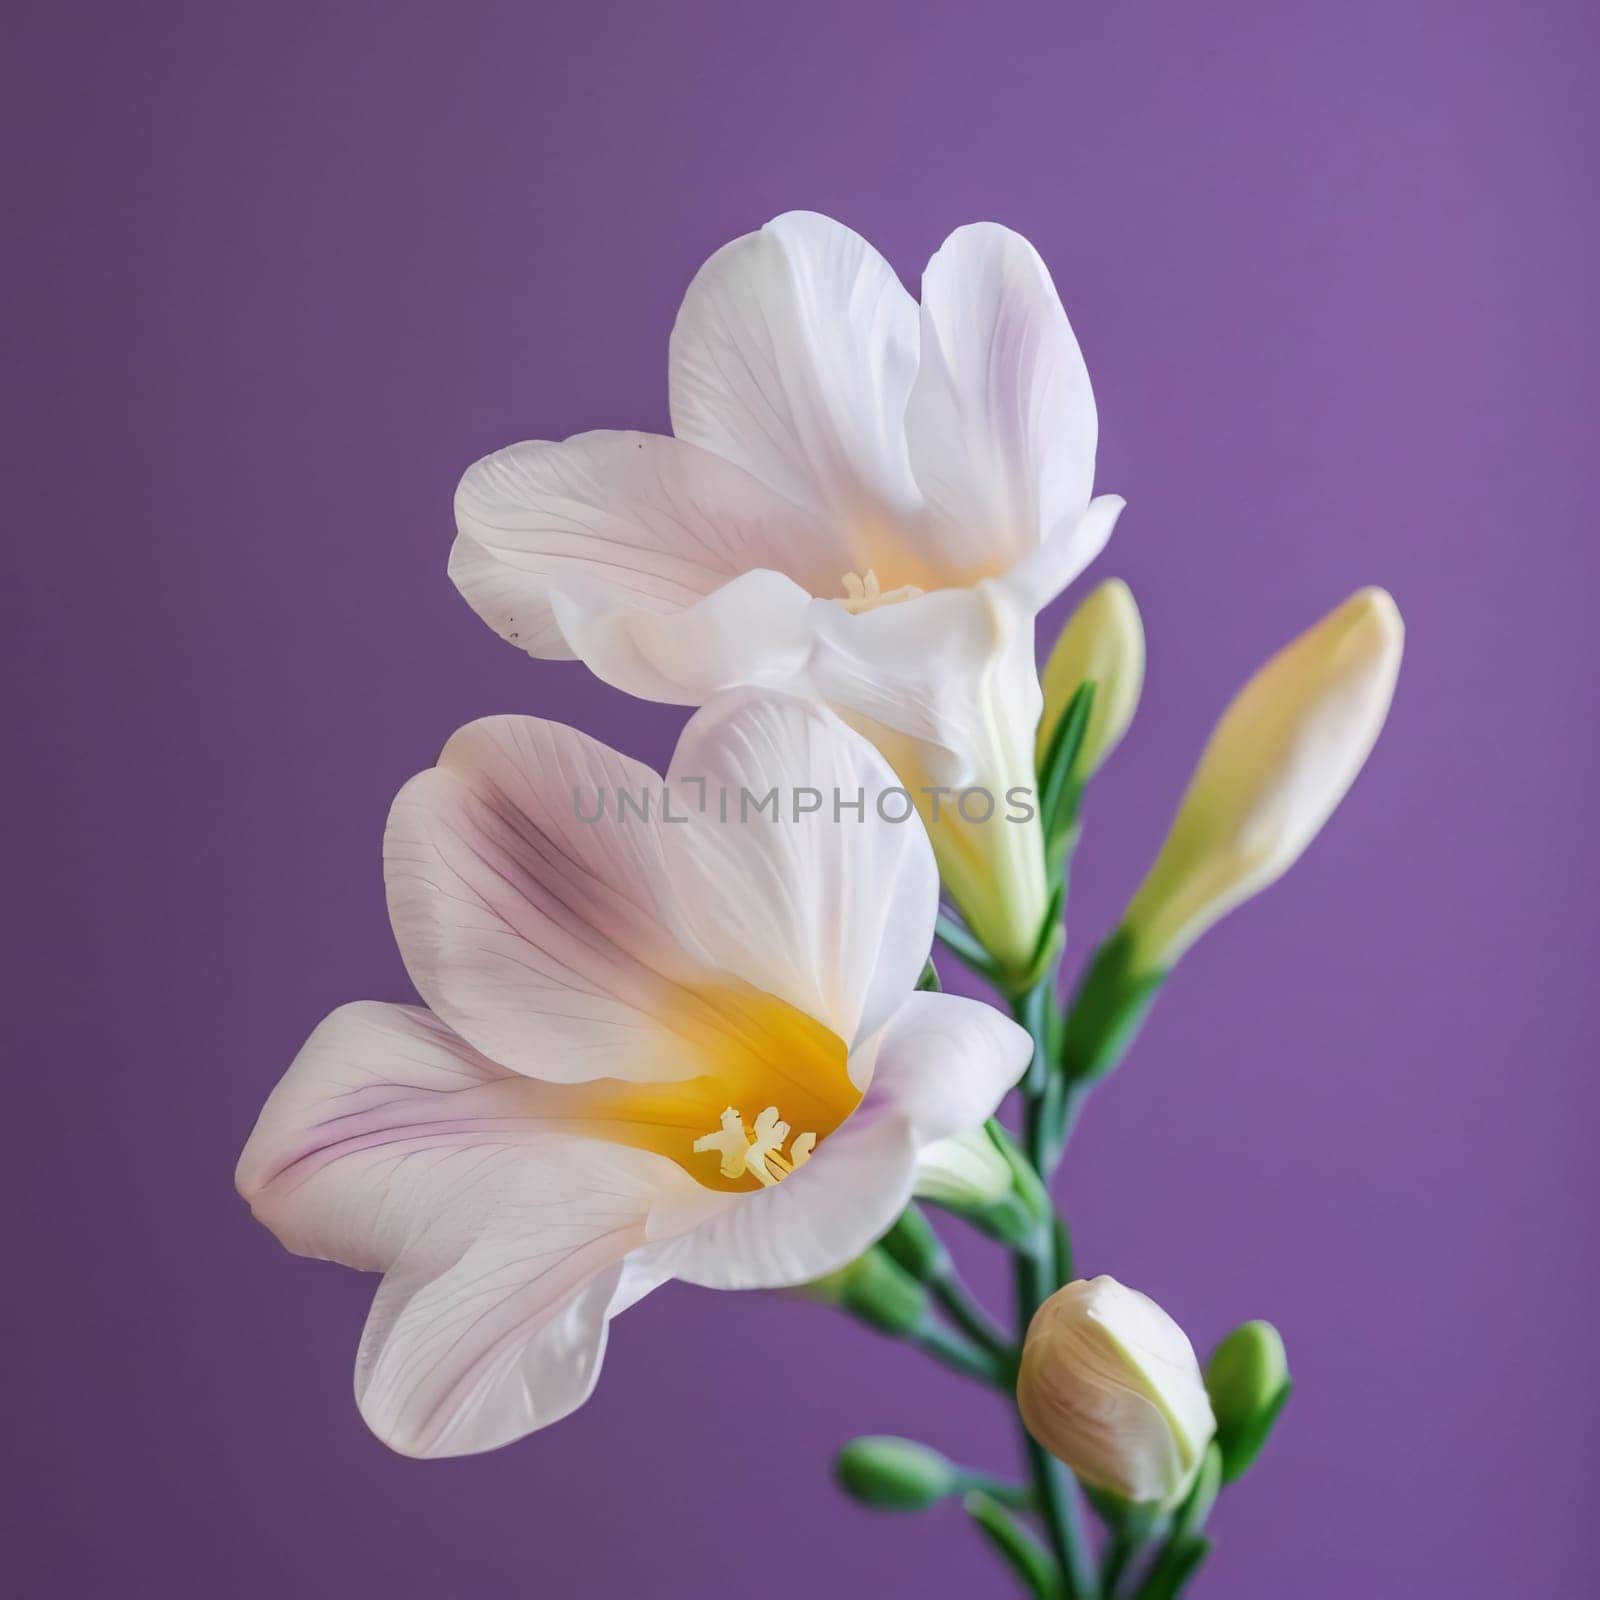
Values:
[(704, 1041)]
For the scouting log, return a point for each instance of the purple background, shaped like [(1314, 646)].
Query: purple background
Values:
[(281, 271)]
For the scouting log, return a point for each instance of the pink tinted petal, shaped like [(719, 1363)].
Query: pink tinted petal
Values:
[(473, 1342), (544, 939), (391, 1145), (944, 1064), (385, 1121)]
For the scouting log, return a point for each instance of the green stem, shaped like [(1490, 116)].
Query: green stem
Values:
[(962, 944), (1122, 1550), (1036, 1280), (1017, 1549), (970, 1317), (955, 1351), (1186, 1546), (1018, 1496)]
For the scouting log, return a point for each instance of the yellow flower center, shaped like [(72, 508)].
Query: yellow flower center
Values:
[(865, 594), (733, 1046)]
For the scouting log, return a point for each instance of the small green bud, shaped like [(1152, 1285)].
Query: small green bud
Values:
[(895, 1474), (1247, 1379), (875, 1288)]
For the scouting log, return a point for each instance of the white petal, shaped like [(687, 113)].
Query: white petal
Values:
[(1041, 575), (475, 1340), (756, 629), (544, 940), (929, 669), (1001, 420), (944, 1064), (384, 1120), (945, 686), (608, 520), (391, 1145), (793, 355), (830, 909)]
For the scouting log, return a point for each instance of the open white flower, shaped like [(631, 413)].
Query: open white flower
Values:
[(866, 502), (676, 1047)]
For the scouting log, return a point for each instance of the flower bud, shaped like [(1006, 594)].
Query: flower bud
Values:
[(1279, 761), (1247, 1379), (912, 1244), (964, 1171), (1102, 643), (1109, 1384), (874, 1288), (895, 1474), (982, 1176)]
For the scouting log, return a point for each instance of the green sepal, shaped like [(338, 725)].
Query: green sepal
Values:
[(1187, 1547), (1246, 1446), (1060, 787), (1107, 1011), (1136, 1518), (913, 1245), (876, 1290), (929, 981), (1179, 1563), (891, 1474), (1022, 1554)]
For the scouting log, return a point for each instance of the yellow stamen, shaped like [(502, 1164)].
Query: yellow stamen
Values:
[(758, 1153), (865, 594)]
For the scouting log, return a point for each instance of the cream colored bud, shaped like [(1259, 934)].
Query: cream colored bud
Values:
[(1103, 641), (963, 1171), (1279, 761), (1109, 1384)]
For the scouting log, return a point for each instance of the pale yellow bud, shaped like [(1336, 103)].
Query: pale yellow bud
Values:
[(1103, 641), (1109, 1384), (1279, 761)]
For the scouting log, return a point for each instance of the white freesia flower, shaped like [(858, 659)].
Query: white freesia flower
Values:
[(866, 503), (681, 1047), (1110, 1385)]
